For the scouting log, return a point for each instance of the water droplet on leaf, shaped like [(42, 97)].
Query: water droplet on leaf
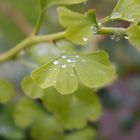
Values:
[(126, 37), (115, 37), (94, 29), (63, 66), (85, 38), (55, 62)]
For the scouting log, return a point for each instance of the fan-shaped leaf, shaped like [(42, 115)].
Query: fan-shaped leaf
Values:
[(80, 28)]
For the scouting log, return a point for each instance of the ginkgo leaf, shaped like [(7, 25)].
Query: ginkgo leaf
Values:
[(134, 36), (80, 28), (93, 69), (128, 10), (48, 3), (31, 89), (7, 91), (26, 112), (73, 111)]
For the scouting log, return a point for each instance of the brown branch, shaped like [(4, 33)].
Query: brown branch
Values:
[(16, 17)]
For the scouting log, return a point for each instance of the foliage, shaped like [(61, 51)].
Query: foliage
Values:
[(62, 89)]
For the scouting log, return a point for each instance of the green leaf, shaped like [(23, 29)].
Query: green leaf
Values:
[(94, 70), (63, 2), (26, 112), (46, 128), (134, 36), (73, 111), (7, 91), (84, 134), (128, 10), (80, 28), (31, 89)]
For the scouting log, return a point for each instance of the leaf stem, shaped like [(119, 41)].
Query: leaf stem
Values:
[(112, 31)]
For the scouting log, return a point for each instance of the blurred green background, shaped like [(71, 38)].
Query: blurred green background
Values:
[(120, 100)]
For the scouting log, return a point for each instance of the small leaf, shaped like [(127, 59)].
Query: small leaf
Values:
[(7, 92), (46, 128), (128, 10), (94, 70), (80, 28), (134, 36), (31, 89), (73, 111), (26, 112)]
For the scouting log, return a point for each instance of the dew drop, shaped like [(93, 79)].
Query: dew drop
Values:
[(85, 38), (115, 37), (126, 37), (55, 62), (94, 29), (69, 60), (63, 66)]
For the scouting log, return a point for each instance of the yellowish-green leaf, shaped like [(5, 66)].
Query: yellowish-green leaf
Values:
[(80, 28), (94, 70), (7, 91), (26, 112), (31, 89), (73, 111), (134, 36), (128, 10)]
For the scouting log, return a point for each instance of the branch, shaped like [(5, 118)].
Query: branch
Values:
[(28, 42), (48, 38)]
